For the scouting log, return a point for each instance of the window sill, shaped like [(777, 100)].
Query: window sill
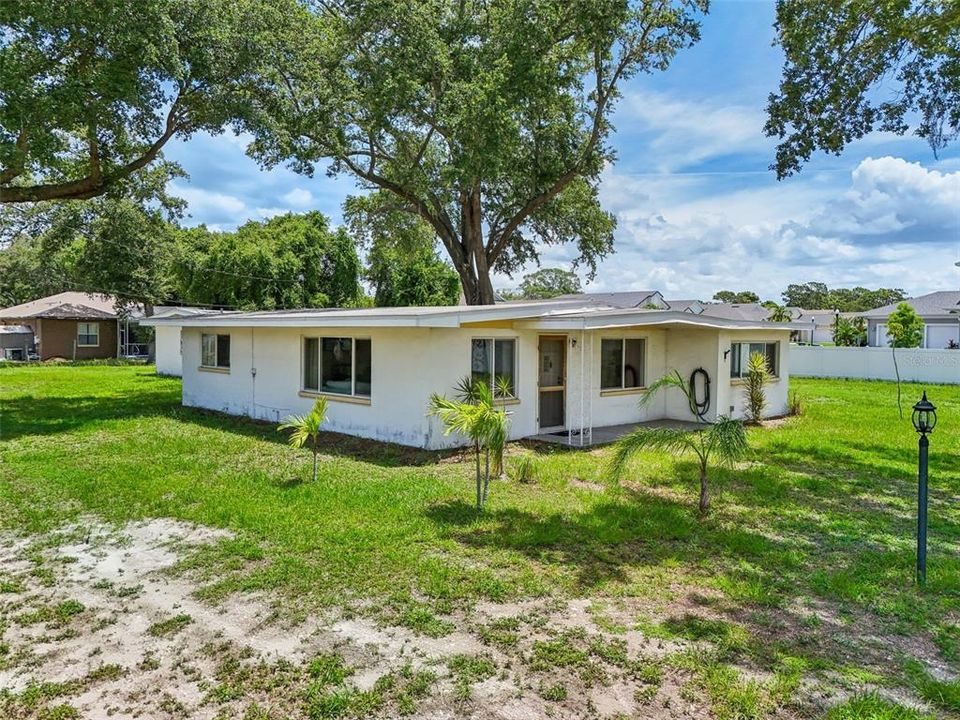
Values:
[(335, 397), (613, 392), (88, 346), (207, 368), (507, 401)]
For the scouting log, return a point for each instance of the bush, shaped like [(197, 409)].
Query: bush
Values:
[(758, 375), (523, 469)]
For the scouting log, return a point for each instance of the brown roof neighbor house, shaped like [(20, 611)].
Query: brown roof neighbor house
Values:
[(70, 325)]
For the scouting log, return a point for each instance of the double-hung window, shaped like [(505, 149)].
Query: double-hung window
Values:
[(494, 362), (215, 350), (622, 363), (88, 334), (337, 365), (740, 355)]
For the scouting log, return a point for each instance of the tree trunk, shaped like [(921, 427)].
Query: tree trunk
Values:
[(486, 475), (475, 270), (704, 492), (314, 463), (476, 447)]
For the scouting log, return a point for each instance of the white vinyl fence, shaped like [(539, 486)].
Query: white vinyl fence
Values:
[(916, 364)]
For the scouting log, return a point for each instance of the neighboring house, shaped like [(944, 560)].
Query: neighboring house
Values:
[(573, 364), (76, 326), (940, 312), (16, 342), (167, 339), (819, 325)]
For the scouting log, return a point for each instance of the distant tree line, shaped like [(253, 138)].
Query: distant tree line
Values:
[(818, 296), (137, 251)]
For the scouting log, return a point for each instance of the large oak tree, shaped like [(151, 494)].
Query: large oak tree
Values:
[(854, 66), (489, 120), (92, 90)]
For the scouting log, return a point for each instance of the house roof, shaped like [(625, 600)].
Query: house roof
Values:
[(15, 330), (935, 304), (632, 299), (66, 306), (753, 312), (559, 313)]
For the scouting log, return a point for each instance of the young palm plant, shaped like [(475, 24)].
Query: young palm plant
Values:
[(478, 419), (758, 375), (306, 428), (723, 441)]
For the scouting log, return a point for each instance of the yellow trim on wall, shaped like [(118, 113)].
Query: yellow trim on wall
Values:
[(336, 397)]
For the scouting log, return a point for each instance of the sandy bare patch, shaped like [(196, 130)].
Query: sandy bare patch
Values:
[(106, 615)]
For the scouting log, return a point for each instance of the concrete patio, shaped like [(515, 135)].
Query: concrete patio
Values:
[(609, 433)]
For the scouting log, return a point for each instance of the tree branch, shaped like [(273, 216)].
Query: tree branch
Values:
[(95, 183)]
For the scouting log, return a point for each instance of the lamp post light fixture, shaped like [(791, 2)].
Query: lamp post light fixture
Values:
[(924, 421)]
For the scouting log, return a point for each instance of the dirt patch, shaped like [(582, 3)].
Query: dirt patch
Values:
[(101, 619)]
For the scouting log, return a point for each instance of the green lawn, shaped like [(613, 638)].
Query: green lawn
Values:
[(818, 522)]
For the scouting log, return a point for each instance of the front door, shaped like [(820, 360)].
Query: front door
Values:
[(552, 376)]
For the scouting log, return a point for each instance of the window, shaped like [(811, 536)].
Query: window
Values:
[(88, 334), (214, 350), (341, 366), (494, 361), (622, 363), (740, 354)]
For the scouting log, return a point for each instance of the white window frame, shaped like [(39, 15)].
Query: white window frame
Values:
[(491, 383), (623, 364), (774, 373), (95, 326), (216, 351), (353, 366)]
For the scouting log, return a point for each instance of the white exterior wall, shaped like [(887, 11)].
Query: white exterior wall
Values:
[(916, 364), (167, 350), (731, 394), (409, 364)]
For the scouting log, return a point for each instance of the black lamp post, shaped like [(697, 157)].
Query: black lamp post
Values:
[(924, 420)]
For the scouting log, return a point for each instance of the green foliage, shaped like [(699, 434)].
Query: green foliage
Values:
[(817, 296), (871, 706), (730, 296), (287, 261), (779, 313), (493, 131), (758, 376), (127, 78), (943, 694), (402, 263), (854, 67), (546, 283), (724, 440), (523, 469), (468, 670), (904, 327), (849, 332), (306, 429), (475, 416), (170, 626)]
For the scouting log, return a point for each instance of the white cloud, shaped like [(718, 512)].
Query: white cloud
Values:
[(894, 223), (213, 207), (298, 197), (684, 132)]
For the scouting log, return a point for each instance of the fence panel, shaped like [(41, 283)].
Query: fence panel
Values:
[(916, 364)]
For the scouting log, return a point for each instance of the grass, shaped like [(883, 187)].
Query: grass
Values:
[(821, 513)]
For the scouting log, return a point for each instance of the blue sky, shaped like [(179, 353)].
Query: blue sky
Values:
[(697, 208)]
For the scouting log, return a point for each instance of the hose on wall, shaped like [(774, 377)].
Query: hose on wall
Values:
[(700, 404)]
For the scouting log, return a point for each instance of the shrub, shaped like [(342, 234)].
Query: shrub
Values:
[(758, 375), (523, 469)]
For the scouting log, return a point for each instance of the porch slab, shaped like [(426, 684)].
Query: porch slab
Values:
[(608, 433)]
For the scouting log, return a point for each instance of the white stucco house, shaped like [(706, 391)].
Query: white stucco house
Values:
[(574, 364), (167, 341)]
